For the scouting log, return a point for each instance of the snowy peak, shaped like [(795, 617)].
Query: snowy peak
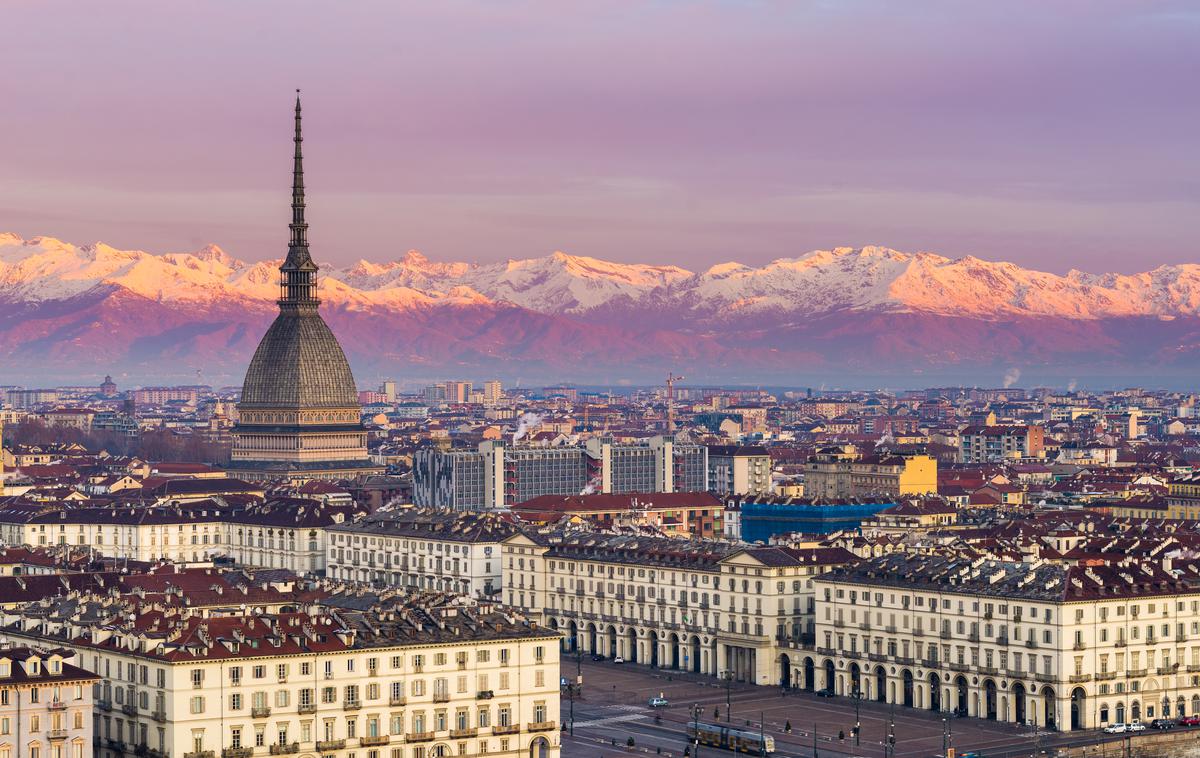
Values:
[(872, 278)]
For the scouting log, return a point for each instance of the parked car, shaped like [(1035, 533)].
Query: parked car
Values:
[(618, 659), (1117, 728), (827, 692), (1189, 721), (1137, 726), (1162, 724), (659, 702), (597, 657)]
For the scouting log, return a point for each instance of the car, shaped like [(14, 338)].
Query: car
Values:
[(659, 702), (597, 657), (1137, 726), (827, 692), (618, 659), (1117, 728), (1162, 724), (1188, 721)]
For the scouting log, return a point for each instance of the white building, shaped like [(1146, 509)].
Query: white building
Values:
[(45, 704)]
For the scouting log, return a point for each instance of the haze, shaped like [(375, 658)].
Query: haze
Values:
[(1055, 135)]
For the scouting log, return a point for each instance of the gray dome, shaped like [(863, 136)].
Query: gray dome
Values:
[(299, 364)]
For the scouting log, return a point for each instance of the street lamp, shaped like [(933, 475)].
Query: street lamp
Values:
[(696, 729), (857, 720), (727, 678)]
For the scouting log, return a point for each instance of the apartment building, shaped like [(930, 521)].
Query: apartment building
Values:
[(709, 607), (986, 444), (45, 704), (423, 548), (738, 469), (420, 680), (496, 474), (841, 471), (1063, 647), (288, 533)]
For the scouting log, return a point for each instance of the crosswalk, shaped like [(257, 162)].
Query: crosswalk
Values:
[(632, 713)]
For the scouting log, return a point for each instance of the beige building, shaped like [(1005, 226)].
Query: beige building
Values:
[(1063, 647), (842, 472), (428, 682), (45, 705), (710, 607)]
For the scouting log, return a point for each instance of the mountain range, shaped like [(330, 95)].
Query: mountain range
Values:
[(845, 317)]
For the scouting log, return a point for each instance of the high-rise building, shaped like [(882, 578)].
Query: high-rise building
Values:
[(299, 416), (388, 389), (492, 392), (458, 392), (496, 475)]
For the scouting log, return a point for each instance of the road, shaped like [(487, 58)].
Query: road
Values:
[(613, 707)]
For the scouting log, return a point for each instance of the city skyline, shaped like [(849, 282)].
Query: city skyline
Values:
[(722, 131)]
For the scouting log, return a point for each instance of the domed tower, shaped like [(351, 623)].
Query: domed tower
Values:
[(299, 416)]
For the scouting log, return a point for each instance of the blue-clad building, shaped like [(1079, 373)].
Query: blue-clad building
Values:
[(762, 519)]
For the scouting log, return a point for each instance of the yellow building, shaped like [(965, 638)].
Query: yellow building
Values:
[(842, 472)]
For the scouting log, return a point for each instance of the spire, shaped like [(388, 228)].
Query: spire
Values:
[(298, 227), (298, 281)]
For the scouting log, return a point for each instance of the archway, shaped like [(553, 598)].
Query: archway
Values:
[(1048, 700), (573, 631), (1120, 713), (1135, 711), (830, 677), (652, 643), (673, 641), (810, 675), (695, 655), (881, 684), (907, 677), (989, 699), (611, 637), (1077, 711), (960, 706), (785, 671), (539, 748), (591, 639), (935, 693), (855, 680), (631, 645), (1019, 702)]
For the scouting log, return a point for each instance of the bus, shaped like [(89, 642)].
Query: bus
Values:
[(740, 740)]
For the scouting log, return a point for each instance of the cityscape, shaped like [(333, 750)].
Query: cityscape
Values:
[(334, 498)]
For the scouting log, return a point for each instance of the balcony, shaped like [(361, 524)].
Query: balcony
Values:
[(992, 670), (1031, 643), (379, 739), (57, 705), (260, 712), (306, 708), (143, 751), (1120, 643), (1080, 678), (541, 726), (54, 735), (973, 637), (419, 737), (199, 754), (291, 747), (1079, 646), (104, 704), (918, 632), (1167, 669), (945, 634), (351, 705), (890, 629), (327, 745), (1047, 678), (129, 709), (458, 734), (441, 697), (237, 752), (1002, 640), (1134, 673), (484, 695), (395, 702), (510, 729), (1102, 675)]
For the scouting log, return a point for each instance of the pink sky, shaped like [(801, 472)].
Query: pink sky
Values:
[(1053, 133)]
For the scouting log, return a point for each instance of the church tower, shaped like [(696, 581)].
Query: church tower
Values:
[(299, 416)]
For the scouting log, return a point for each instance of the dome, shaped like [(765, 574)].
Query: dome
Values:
[(299, 364)]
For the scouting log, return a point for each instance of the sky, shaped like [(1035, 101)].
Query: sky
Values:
[(1056, 134)]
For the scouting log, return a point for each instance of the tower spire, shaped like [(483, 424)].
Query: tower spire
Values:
[(298, 226), (298, 280)]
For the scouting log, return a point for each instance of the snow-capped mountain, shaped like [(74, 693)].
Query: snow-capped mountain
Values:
[(823, 310)]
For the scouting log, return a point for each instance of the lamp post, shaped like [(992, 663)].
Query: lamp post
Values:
[(857, 720), (696, 729), (891, 736), (727, 678)]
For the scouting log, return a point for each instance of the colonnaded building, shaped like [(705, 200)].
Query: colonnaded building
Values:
[(299, 416)]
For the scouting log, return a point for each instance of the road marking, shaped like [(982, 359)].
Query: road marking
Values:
[(611, 720)]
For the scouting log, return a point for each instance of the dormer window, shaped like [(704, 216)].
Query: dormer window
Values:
[(35, 667), (5, 668)]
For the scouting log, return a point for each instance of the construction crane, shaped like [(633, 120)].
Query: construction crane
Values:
[(671, 379)]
